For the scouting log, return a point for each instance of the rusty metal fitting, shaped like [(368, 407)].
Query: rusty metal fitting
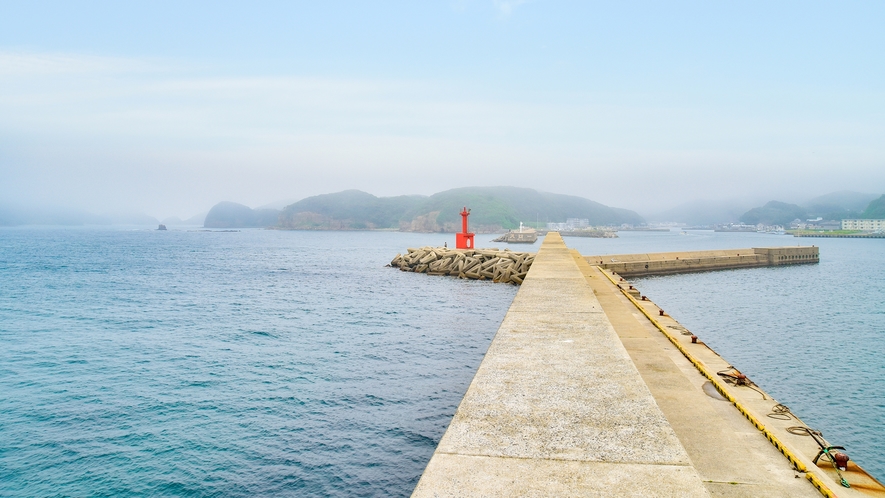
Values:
[(645, 298), (841, 460), (694, 339), (660, 312), (741, 379)]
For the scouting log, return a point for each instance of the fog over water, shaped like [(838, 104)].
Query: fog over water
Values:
[(165, 109)]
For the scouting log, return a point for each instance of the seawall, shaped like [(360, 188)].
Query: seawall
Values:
[(841, 235), (670, 263)]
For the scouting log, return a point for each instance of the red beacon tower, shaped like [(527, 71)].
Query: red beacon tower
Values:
[(464, 240)]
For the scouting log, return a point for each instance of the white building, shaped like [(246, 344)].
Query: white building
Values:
[(865, 225), (569, 225), (573, 223)]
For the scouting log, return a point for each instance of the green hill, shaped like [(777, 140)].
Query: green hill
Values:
[(492, 208), (875, 210), (838, 205), (504, 207), (774, 213), (348, 210)]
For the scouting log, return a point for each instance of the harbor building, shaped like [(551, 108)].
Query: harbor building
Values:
[(570, 224), (864, 225)]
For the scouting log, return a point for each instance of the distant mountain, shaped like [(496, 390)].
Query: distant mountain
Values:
[(196, 220), (348, 210), (233, 215), (831, 213), (833, 206), (835, 202), (278, 205), (875, 210), (14, 215), (493, 209), (774, 213), (704, 212)]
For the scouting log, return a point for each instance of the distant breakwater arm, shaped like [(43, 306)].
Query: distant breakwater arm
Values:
[(672, 263), (479, 264)]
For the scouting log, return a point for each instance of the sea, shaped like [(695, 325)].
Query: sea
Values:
[(187, 362)]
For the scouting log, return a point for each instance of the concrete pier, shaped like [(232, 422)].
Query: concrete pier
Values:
[(580, 395), (557, 407)]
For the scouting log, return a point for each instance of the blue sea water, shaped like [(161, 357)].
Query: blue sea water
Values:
[(138, 362), (148, 363)]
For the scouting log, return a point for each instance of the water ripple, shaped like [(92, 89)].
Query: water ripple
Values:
[(145, 363)]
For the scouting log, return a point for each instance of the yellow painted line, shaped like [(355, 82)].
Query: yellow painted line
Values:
[(714, 379)]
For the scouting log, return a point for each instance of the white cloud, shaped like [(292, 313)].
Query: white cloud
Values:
[(18, 64), (506, 7)]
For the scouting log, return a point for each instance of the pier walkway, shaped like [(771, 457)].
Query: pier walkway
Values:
[(580, 395)]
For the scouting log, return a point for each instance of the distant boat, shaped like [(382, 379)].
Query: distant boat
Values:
[(161, 227)]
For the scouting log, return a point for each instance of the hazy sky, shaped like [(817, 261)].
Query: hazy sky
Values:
[(170, 107)]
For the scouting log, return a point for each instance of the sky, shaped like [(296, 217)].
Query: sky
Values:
[(167, 108)]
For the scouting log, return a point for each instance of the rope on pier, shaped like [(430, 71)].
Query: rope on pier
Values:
[(781, 412), (735, 378)]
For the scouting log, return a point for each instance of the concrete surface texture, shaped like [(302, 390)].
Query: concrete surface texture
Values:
[(557, 407), (567, 404), (731, 456)]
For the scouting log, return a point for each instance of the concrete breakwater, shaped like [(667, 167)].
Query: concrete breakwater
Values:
[(670, 263), (479, 264), (841, 235), (802, 446), (595, 234), (590, 390)]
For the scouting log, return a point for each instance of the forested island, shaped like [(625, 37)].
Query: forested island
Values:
[(493, 209)]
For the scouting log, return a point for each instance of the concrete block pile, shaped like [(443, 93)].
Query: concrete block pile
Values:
[(479, 264)]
